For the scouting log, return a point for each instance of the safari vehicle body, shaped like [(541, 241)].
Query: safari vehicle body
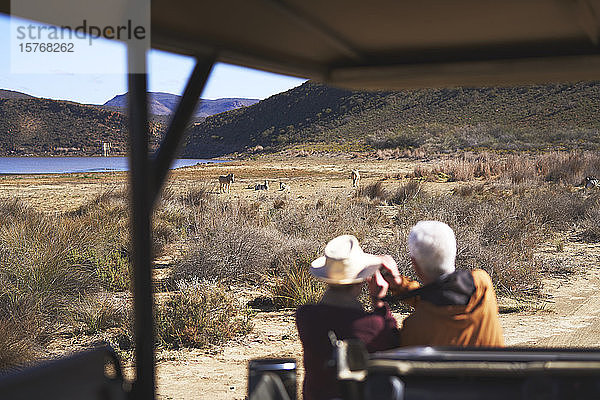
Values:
[(381, 44)]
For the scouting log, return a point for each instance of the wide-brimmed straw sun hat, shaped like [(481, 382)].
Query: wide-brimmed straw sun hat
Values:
[(344, 262)]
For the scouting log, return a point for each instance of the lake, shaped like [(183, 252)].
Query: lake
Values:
[(66, 165)]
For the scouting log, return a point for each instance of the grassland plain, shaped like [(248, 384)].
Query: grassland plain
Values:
[(523, 218)]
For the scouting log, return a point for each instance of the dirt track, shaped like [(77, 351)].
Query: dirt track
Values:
[(571, 318)]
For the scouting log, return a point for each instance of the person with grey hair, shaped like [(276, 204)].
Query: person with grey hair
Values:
[(451, 307)]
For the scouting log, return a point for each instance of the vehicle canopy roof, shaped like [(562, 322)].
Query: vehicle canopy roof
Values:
[(389, 44)]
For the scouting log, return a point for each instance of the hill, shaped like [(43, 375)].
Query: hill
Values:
[(165, 103), (11, 94), (51, 127), (516, 118)]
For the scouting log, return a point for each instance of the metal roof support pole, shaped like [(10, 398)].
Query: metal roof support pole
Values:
[(141, 212), (146, 178), (185, 110)]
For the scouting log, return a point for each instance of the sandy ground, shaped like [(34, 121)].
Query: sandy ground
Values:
[(568, 314)]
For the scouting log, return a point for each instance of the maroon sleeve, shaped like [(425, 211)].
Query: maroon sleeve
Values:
[(379, 331)]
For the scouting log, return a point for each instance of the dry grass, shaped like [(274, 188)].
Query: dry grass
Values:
[(62, 269), (95, 313), (373, 191), (560, 167), (296, 287), (247, 241)]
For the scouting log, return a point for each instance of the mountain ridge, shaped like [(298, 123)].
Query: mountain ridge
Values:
[(162, 103), (317, 117)]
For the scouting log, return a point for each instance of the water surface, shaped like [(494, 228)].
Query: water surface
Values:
[(65, 165)]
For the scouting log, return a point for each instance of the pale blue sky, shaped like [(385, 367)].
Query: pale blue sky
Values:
[(167, 73)]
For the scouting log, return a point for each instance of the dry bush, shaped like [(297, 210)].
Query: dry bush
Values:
[(388, 154), (231, 251), (244, 241), (200, 314), (521, 169), (568, 167), (404, 193), (194, 196), (560, 167), (326, 219), (95, 313), (466, 167), (590, 226), (590, 229), (373, 191), (469, 190), (279, 203)]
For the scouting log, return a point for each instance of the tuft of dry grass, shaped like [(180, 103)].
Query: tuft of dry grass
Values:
[(296, 287), (17, 347), (95, 313), (405, 193), (373, 191)]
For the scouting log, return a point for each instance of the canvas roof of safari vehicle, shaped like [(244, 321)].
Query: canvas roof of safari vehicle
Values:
[(389, 44)]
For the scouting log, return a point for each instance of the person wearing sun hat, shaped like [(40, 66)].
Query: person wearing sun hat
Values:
[(344, 268)]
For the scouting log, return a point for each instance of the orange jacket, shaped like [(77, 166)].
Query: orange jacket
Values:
[(474, 324)]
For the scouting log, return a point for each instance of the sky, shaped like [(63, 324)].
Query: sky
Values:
[(166, 73)]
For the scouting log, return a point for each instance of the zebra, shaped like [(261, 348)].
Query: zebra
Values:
[(225, 182), (355, 178), (262, 186), (591, 182)]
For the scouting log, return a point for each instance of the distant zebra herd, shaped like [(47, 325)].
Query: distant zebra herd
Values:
[(225, 182)]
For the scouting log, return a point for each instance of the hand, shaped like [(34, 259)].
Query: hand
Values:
[(378, 287), (389, 271)]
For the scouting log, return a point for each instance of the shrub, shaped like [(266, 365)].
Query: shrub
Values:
[(469, 190), (238, 253), (590, 227), (95, 313), (196, 195), (201, 313), (296, 286), (18, 346), (49, 262), (243, 241), (373, 191), (405, 193)]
